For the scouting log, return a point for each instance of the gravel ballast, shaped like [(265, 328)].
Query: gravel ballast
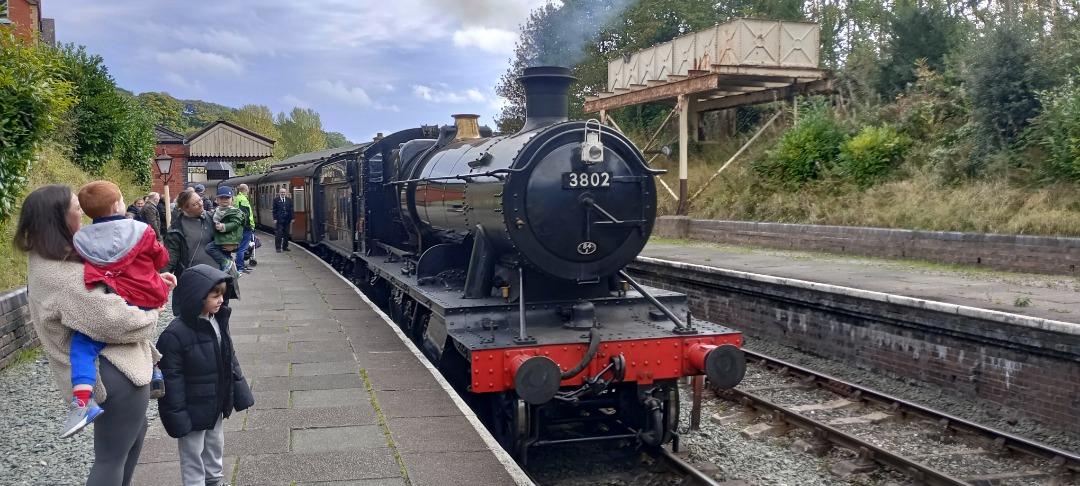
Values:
[(31, 413)]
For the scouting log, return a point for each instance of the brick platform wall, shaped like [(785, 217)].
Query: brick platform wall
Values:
[(1019, 253), (1020, 366), (16, 330)]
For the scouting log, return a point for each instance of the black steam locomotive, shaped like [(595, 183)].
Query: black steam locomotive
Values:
[(502, 257)]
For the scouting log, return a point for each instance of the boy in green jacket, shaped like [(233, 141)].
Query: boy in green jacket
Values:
[(228, 230)]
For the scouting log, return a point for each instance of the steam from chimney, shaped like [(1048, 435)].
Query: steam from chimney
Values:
[(567, 28)]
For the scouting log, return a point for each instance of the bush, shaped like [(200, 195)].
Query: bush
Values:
[(1057, 131), (32, 100), (872, 154), (808, 149)]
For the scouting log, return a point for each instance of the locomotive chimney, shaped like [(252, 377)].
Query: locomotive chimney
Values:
[(546, 89), (467, 127)]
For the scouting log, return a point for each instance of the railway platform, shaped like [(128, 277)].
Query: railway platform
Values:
[(1050, 297), (341, 396)]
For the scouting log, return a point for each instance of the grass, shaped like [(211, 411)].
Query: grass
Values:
[(52, 167), (25, 356)]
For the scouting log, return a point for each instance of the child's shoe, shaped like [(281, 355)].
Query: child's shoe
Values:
[(79, 417), (157, 384)]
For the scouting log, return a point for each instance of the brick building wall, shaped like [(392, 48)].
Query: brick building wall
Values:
[(26, 16), (1019, 253), (177, 174), (16, 330), (1019, 366)]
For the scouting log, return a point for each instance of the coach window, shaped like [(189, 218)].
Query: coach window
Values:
[(298, 199)]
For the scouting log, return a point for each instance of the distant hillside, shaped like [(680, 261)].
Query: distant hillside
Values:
[(189, 116)]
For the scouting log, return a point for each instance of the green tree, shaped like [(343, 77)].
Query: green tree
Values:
[(100, 114), (135, 142), (32, 101), (917, 32), (1003, 79), (167, 111), (336, 139), (301, 131), (260, 119)]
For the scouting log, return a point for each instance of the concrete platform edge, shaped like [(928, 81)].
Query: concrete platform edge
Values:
[(966, 311), (512, 467)]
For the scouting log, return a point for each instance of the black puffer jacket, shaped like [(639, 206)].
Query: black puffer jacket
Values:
[(202, 377)]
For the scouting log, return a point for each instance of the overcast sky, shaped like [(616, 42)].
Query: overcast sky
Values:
[(366, 66)]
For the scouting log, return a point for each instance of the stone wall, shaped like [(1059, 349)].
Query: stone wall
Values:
[(16, 330), (1017, 253), (1022, 366)]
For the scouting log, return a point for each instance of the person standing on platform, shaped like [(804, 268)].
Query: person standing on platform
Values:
[(283, 216), (203, 380), (201, 191), (150, 215), (249, 226), (60, 305)]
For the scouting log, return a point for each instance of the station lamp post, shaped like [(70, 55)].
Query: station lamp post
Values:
[(164, 164)]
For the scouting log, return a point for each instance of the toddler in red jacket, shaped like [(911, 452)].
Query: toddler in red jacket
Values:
[(125, 255)]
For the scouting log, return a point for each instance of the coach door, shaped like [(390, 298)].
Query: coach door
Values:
[(301, 209)]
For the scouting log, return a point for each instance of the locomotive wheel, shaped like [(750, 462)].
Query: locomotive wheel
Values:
[(510, 423)]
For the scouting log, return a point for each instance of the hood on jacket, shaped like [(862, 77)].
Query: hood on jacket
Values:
[(109, 241), (192, 288)]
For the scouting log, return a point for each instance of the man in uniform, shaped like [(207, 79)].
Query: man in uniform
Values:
[(283, 216)]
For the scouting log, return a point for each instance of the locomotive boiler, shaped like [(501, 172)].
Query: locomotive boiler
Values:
[(503, 257)]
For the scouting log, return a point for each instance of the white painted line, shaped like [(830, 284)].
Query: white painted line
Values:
[(960, 310), (512, 467)]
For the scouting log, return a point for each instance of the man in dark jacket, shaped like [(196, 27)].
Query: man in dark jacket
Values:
[(283, 216), (149, 214), (203, 380)]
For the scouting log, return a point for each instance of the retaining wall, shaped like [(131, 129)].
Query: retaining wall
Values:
[(1030, 366), (1018, 253), (16, 330)]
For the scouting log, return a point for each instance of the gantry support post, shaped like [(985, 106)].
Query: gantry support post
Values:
[(684, 140)]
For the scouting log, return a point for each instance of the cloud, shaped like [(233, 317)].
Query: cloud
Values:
[(428, 93), (338, 91), (492, 40), (294, 102), (182, 83), (194, 60), (501, 14)]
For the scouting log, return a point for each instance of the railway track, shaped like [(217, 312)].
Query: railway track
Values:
[(928, 446)]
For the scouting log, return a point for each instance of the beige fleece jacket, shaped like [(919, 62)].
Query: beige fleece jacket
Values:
[(61, 305)]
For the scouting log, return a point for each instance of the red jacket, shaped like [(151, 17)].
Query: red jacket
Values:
[(125, 255)]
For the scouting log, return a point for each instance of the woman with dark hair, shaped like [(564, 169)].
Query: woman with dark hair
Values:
[(60, 304), (186, 239)]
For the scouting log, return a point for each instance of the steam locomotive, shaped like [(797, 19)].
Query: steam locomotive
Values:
[(502, 257)]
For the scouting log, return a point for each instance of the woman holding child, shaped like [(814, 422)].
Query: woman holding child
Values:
[(187, 238), (60, 305)]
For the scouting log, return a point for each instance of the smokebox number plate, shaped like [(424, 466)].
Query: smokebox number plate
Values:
[(586, 180)]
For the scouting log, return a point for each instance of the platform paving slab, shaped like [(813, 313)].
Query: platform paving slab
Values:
[(305, 418), (323, 466), (432, 434), (444, 469), (343, 438)]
